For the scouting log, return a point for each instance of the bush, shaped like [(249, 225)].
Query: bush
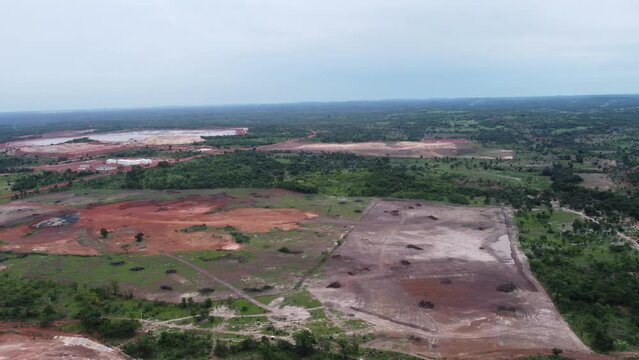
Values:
[(142, 348), (118, 329)]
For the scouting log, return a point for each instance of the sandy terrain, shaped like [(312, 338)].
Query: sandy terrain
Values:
[(597, 181), (20, 342), (73, 150), (102, 165), (88, 165), (55, 143), (430, 274), (434, 148), (425, 148), (148, 137), (68, 230)]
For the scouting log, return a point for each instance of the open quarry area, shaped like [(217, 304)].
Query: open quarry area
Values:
[(88, 142), (424, 148), (448, 280)]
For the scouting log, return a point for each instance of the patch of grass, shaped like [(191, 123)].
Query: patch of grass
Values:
[(242, 323), (356, 324), (245, 307), (98, 270), (323, 205), (323, 327), (266, 299), (205, 257), (374, 354), (302, 299)]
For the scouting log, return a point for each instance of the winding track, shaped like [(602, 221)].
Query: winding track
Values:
[(235, 290)]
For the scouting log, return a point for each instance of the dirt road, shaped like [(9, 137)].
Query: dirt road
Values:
[(232, 288)]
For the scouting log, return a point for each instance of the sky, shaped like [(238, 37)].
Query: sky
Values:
[(81, 54)]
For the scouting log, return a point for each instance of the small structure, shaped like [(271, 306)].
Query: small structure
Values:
[(104, 168), (129, 162)]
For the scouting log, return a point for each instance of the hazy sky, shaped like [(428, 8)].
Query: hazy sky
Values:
[(65, 54)]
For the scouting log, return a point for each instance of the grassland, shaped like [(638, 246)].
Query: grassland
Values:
[(101, 270), (259, 265)]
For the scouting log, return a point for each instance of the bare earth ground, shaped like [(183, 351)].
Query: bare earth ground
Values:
[(25, 343), (450, 258), (96, 165), (271, 218), (52, 144), (425, 148), (597, 181), (161, 222)]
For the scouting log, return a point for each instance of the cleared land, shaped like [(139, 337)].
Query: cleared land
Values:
[(18, 341), (282, 239), (447, 279), (101, 165), (67, 144), (425, 148), (166, 226), (598, 181)]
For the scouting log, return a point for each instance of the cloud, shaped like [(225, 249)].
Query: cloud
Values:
[(118, 53)]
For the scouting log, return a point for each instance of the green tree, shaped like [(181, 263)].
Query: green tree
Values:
[(304, 342)]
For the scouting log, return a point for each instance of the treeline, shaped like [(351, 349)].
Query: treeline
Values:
[(11, 164), (305, 345), (45, 301), (39, 179), (594, 203), (332, 174)]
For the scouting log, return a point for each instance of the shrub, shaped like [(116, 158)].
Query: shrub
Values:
[(118, 329)]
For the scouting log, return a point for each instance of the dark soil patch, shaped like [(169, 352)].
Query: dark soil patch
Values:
[(507, 287), (425, 304)]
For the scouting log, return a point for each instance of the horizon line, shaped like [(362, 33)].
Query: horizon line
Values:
[(306, 102)]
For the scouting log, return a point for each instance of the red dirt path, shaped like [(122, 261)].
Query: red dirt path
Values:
[(161, 222)]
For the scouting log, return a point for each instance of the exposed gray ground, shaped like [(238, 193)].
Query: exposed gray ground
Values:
[(430, 273)]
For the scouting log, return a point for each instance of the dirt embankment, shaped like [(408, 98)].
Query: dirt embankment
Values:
[(20, 341)]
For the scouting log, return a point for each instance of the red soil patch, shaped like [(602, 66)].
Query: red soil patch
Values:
[(162, 224)]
